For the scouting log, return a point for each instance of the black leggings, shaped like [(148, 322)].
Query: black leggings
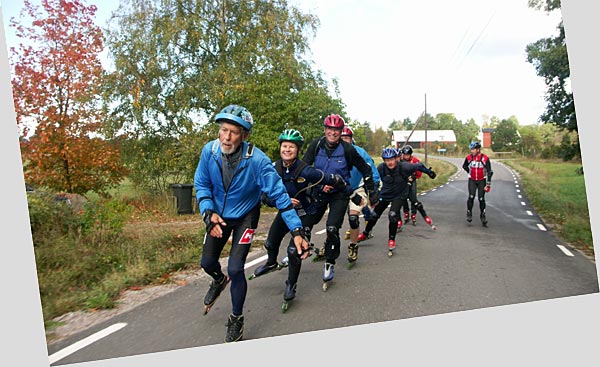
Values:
[(476, 186), (393, 215), (338, 205), (415, 204), (243, 232)]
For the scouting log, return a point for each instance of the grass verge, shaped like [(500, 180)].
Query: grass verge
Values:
[(557, 192)]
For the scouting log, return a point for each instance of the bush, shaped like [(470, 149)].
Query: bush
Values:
[(49, 217)]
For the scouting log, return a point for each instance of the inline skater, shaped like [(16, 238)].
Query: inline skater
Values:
[(394, 190), (357, 198), (230, 177), (334, 156), (479, 168), (406, 154)]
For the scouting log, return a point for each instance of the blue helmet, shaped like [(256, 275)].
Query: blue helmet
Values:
[(389, 153), (237, 115), (475, 145)]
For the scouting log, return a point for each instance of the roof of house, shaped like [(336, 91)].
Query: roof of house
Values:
[(419, 135)]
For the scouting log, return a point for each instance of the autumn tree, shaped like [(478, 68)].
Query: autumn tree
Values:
[(56, 79)]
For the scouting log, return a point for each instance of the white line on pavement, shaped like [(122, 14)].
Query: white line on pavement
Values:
[(255, 261), (565, 251), (321, 231), (523, 203), (541, 227), (520, 196), (516, 185), (85, 342), (529, 212), (518, 190)]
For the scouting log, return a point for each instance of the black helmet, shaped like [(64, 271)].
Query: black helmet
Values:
[(407, 149), (291, 135), (237, 115)]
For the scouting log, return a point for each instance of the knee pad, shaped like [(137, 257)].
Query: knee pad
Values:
[(393, 216), (471, 197), (354, 222), (333, 233), (268, 245)]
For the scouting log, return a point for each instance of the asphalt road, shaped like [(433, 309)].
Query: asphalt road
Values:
[(459, 266)]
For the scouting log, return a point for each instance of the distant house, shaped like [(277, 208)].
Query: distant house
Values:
[(486, 140), (417, 139)]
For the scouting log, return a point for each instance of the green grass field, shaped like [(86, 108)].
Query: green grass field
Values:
[(557, 191)]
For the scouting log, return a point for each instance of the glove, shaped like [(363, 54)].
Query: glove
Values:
[(432, 174), (209, 225), (357, 199), (373, 197), (337, 182), (487, 187)]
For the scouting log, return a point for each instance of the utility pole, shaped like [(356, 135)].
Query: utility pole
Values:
[(425, 118)]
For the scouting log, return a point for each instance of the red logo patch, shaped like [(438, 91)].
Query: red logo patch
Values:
[(247, 236)]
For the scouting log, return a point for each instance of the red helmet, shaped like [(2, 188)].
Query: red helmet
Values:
[(347, 131), (334, 121)]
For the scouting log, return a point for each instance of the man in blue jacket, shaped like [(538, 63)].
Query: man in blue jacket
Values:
[(230, 178)]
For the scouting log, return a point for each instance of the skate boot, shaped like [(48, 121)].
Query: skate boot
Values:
[(264, 269), (327, 275), (362, 236), (430, 222), (469, 216), (214, 291), (400, 225), (483, 218), (406, 216), (347, 236), (352, 254), (235, 329), (391, 247), (413, 217), (288, 295), (319, 254)]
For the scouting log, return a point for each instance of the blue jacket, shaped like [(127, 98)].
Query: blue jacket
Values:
[(254, 175), (356, 176)]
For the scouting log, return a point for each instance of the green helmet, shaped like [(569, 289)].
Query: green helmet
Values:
[(291, 135)]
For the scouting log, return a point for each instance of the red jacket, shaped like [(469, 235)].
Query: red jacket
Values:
[(478, 167)]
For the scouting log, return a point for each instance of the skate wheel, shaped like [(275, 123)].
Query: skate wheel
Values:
[(325, 286), (350, 265), (251, 276), (390, 253), (284, 307), (206, 309), (433, 227)]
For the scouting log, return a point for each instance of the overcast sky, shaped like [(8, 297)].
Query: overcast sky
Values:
[(467, 56)]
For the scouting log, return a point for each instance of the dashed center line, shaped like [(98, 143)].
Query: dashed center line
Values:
[(529, 212), (541, 227), (523, 203)]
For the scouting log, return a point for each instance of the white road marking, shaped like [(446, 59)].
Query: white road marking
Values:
[(520, 196), (565, 251), (321, 231), (523, 203), (516, 185), (529, 212), (85, 342), (255, 261), (433, 190), (518, 190), (541, 227)]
